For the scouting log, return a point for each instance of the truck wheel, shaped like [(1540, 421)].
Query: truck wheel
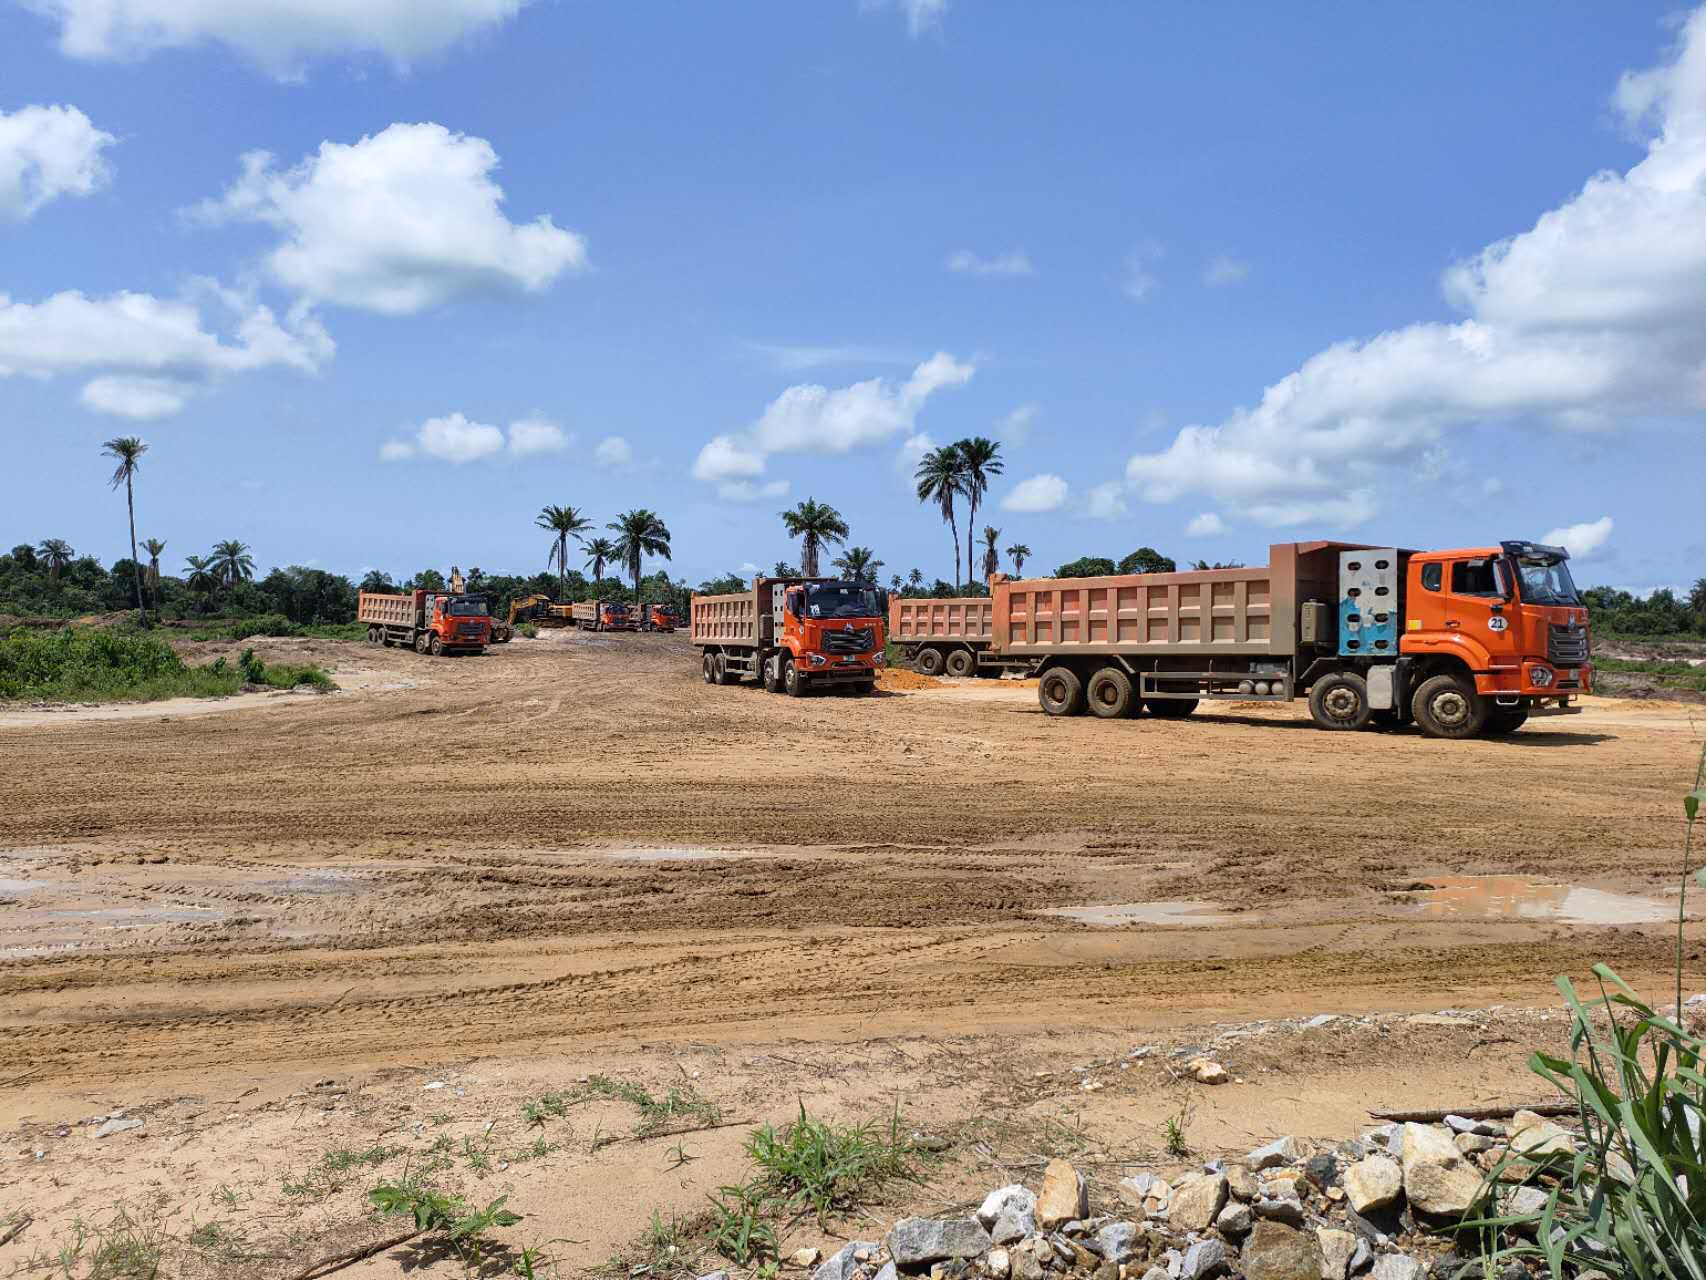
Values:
[(1171, 708), (1110, 694), (435, 646), (720, 669), (708, 667), (384, 638), (793, 683), (373, 635), (961, 663), (421, 643), (1447, 706), (1504, 721), (1061, 692), (928, 662), (1340, 701), (773, 674)]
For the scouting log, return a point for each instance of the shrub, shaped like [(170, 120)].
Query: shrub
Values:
[(85, 664)]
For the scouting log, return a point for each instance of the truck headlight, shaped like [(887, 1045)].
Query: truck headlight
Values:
[(878, 659), (1541, 677), (817, 659)]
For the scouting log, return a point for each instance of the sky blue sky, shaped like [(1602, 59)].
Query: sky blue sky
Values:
[(1118, 222)]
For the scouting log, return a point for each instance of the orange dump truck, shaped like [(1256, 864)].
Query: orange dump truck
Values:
[(950, 635), (658, 617), (434, 622), (602, 615), (793, 635), (1466, 643)]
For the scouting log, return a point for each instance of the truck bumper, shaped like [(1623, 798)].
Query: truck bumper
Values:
[(1560, 682)]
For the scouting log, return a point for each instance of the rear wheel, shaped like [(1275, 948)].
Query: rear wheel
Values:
[(1171, 708), (373, 635), (929, 662), (961, 663), (1061, 692), (1340, 701), (1110, 694), (708, 667), (1447, 706), (793, 683), (720, 670), (1504, 721)]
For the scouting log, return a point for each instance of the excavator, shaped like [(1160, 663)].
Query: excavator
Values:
[(541, 611)]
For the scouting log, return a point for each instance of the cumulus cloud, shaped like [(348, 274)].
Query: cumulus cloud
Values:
[(1038, 495), (48, 152), (456, 438), (1223, 269), (613, 451), (402, 220), (1582, 540), (1206, 525), (1013, 263), (1105, 501), (537, 435), (1015, 427), (1586, 320), (146, 355), (278, 35), (813, 419)]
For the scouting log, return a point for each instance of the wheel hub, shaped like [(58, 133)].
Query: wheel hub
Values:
[(1342, 703), (1451, 708)]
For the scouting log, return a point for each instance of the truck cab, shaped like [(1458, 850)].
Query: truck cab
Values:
[(456, 623), (830, 632), (613, 616)]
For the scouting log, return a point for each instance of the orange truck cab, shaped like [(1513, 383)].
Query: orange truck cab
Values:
[(793, 635), (614, 617), (659, 618)]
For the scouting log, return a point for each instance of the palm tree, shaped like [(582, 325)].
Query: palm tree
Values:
[(814, 523), (915, 578), (639, 533), (56, 554), (980, 460), (599, 552), (127, 451), (1019, 553), (894, 582), (566, 523), (939, 477), (200, 574), (231, 562), (858, 563), (375, 582), (154, 546), (991, 557)]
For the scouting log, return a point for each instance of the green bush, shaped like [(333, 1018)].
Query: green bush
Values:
[(87, 664)]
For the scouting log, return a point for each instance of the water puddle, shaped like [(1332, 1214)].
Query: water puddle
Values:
[(1189, 914), (1514, 898)]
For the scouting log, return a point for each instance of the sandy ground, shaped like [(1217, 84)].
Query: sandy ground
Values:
[(268, 930)]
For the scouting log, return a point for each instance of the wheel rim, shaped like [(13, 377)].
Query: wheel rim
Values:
[(1107, 695), (1054, 689), (790, 677), (1451, 708), (1342, 703)]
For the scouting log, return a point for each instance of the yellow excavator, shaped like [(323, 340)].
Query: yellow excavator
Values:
[(541, 611)]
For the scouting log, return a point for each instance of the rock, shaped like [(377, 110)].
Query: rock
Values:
[(1382, 1137), (1275, 1252), (1438, 1020), (1009, 1214), (1337, 1250), (1437, 1179), (1025, 1261), (1174, 1262), (1281, 1151), (844, 1264), (912, 1242), (118, 1125), (1526, 1201), (715, 1275), (997, 1263), (1321, 1020), (1203, 1259), (1322, 1170), (1196, 1201), (1240, 1181), (803, 1258), (1157, 1273), (1207, 1071), (1472, 1143), (1118, 1241), (1395, 1266), (1373, 1183), (889, 1272), (1234, 1221), (1279, 1208), (1460, 1124), (1064, 1195), (1533, 1135)]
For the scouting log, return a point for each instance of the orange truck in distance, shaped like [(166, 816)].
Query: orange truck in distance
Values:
[(1467, 643), (659, 617), (952, 635), (602, 615), (435, 622), (793, 635)]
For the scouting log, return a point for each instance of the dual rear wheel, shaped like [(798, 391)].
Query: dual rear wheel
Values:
[(1111, 693)]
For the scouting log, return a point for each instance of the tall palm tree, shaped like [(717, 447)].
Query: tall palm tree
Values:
[(154, 547), (200, 575), (639, 533), (56, 554), (232, 563), (375, 582), (566, 523), (991, 557), (940, 477), (915, 578), (127, 451), (894, 582), (980, 461), (599, 552), (858, 563), (1019, 553), (815, 524)]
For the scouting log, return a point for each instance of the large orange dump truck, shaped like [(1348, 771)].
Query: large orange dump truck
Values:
[(952, 635), (435, 622), (602, 615), (793, 635), (1466, 643)]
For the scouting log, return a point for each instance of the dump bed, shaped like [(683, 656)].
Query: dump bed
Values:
[(1211, 612), (585, 611), (743, 619), (970, 619), (388, 610)]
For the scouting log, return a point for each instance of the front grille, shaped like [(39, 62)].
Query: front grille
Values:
[(857, 641), (1566, 646)]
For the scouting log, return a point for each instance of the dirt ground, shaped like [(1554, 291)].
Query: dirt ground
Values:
[(268, 927)]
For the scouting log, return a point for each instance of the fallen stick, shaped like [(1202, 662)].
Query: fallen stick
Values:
[(338, 1261), (13, 1231), (1478, 1113)]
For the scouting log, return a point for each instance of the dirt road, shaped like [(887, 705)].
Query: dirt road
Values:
[(574, 842)]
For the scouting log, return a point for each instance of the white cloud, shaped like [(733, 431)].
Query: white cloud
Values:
[(1582, 540), (1223, 269), (402, 220), (147, 355), (1206, 525), (613, 451), (921, 15), (48, 152), (725, 458), (396, 451), (1589, 319), (1137, 280), (456, 438), (750, 490), (1039, 494), (1015, 427), (911, 453), (798, 359), (1013, 263), (536, 435), (279, 35), (1105, 501)]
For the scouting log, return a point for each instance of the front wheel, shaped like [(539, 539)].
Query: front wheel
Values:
[(773, 675), (1061, 692), (435, 646), (928, 662), (793, 683), (421, 643), (961, 663), (1447, 706), (1340, 701)]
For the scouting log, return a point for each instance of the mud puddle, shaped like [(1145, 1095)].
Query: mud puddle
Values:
[(1515, 898)]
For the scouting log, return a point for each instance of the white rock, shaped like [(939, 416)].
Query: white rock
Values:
[(803, 1258), (1196, 1201), (1395, 1266), (1533, 1135), (1207, 1071), (1437, 1179), (997, 1263), (1009, 1213), (117, 1125), (1337, 1249), (1281, 1151), (1373, 1183)]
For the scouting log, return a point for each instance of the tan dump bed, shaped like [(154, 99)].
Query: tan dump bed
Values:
[(970, 619), (584, 611), (393, 611), (741, 619), (1213, 612)]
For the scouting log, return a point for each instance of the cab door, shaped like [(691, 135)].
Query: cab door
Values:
[(1477, 599)]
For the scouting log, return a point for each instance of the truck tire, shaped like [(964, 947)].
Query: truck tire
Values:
[(1504, 721), (1171, 708), (720, 669), (1447, 706), (793, 683), (421, 643), (929, 662), (435, 646), (373, 635), (1061, 692), (1110, 694), (773, 674), (384, 638), (961, 663), (708, 667), (1340, 701)]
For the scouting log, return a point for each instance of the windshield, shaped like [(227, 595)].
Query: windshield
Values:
[(466, 607), (843, 600), (1546, 581)]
